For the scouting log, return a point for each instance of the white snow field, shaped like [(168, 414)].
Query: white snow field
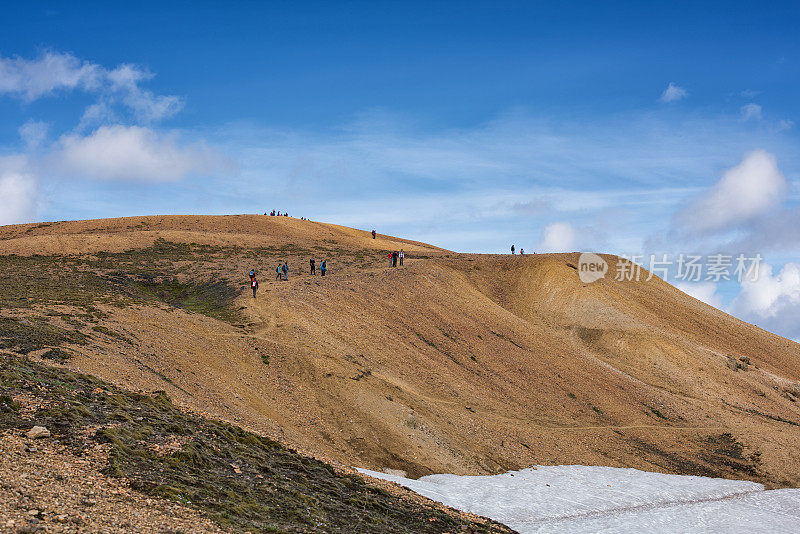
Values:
[(576, 498)]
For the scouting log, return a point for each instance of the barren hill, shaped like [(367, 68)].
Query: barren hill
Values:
[(454, 363)]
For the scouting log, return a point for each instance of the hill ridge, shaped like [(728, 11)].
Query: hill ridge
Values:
[(462, 363)]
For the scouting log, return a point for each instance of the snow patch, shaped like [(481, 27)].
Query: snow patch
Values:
[(575, 498)]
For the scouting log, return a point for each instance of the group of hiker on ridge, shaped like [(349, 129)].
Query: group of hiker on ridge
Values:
[(323, 266), (282, 271), (395, 255), (521, 251)]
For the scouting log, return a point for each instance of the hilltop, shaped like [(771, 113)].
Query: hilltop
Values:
[(459, 363)]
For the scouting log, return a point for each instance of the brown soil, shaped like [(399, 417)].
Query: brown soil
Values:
[(459, 363)]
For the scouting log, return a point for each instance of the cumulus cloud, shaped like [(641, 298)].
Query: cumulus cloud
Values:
[(702, 291), (772, 301), (673, 93), (558, 237), (751, 112), (744, 193), (133, 153), (17, 191), (30, 79)]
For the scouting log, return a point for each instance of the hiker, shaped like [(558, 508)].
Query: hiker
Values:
[(323, 267), (373, 234), (311, 261), (402, 255), (285, 270), (253, 282), (278, 272), (522, 252), (279, 213), (512, 250), (395, 254)]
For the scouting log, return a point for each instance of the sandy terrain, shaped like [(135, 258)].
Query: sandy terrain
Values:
[(455, 363)]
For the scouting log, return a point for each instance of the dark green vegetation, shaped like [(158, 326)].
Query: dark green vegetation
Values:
[(176, 274), (25, 335), (242, 480)]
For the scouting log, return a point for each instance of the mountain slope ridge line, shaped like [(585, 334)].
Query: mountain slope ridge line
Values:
[(460, 363)]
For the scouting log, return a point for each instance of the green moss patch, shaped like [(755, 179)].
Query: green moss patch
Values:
[(28, 334)]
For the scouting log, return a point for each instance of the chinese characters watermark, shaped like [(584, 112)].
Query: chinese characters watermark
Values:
[(687, 267)]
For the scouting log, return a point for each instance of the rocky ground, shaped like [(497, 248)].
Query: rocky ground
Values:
[(79, 454), (46, 487)]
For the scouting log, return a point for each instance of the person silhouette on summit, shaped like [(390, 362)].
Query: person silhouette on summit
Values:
[(512, 250), (373, 234)]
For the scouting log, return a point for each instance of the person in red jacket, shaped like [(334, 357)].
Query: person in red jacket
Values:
[(253, 283)]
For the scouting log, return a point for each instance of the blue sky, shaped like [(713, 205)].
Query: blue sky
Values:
[(620, 127)]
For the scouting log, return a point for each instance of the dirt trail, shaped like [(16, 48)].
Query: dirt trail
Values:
[(458, 363)]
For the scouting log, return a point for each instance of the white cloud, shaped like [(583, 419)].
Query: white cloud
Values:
[(98, 113), (495, 175), (784, 124), (34, 133), (17, 191), (133, 153), (558, 237), (127, 76), (673, 93), (149, 107), (30, 79), (744, 193), (702, 291), (52, 71), (751, 112), (772, 301)]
